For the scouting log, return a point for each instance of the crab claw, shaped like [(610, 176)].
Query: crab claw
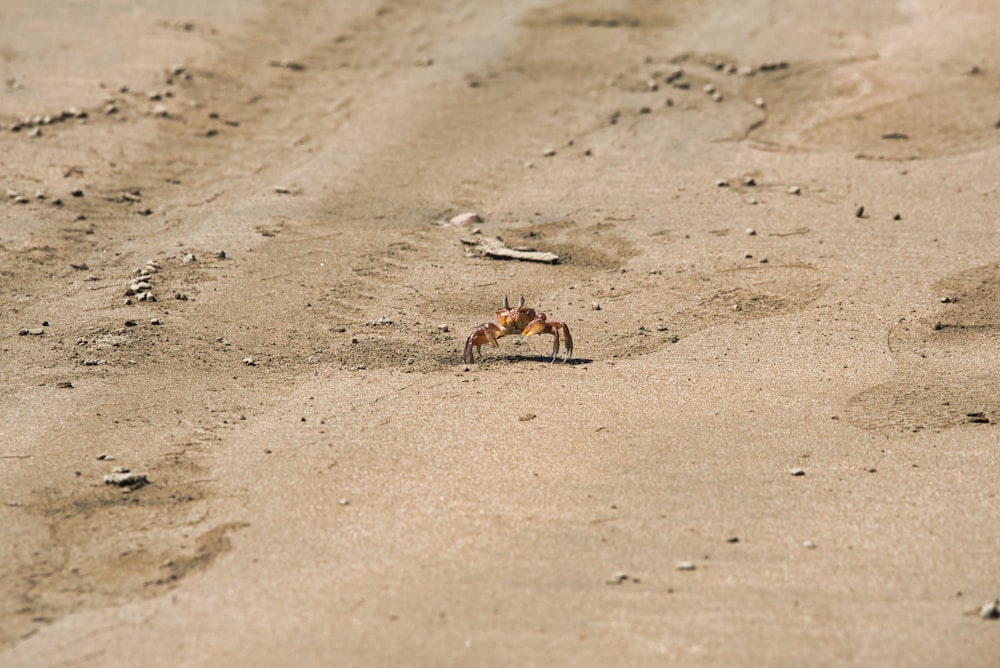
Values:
[(542, 326), (481, 336)]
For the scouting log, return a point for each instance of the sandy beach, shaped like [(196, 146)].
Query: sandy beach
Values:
[(236, 428)]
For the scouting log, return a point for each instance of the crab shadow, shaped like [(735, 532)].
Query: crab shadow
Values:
[(537, 359)]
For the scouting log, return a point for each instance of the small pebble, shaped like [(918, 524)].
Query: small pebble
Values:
[(685, 566), (122, 477), (462, 219), (860, 212), (617, 578), (722, 183), (188, 259), (443, 328), (750, 181), (808, 544), (751, 232), (249, 361), (759, 102), (797, 472), (527, 417), (595, 306), (794, 190), (549, 152), (155, 321), (991, 610), (344, 502), (220, 254)]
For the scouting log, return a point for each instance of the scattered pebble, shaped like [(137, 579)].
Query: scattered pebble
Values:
[(991, 610), (76, 193), (443, 328), (344, 502), (617, 578), (155, 321), (808, 544), (595, 306), (549, 152), (750, 181), (860, 213), (65, 384), (527, 417), (733, 539), (797, 472), (722, 183), (106, 458), (469, 218), (188, 259), (794, 190), (751, 232), (685, 566), (220, 254), (288, 65), (122, 477), (249, 361), (759, 102), (33, 331)]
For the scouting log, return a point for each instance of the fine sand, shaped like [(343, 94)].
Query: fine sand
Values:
[(226, 266)]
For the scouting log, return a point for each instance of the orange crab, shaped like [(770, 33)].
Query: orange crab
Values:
[(520, 320)]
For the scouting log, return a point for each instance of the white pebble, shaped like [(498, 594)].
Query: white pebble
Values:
[(470, 218), (751, 232), (685, 566), (797, 472), (794, 190)]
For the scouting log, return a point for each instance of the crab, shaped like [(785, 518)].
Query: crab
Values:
[(520, 320)]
